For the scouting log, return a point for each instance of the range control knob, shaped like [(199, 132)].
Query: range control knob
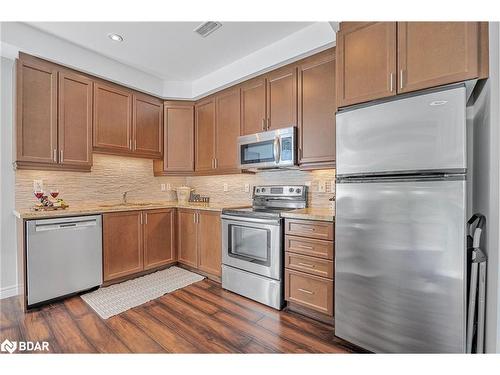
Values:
[(263, 190), (290, 190), (258, 190), (297, 191)]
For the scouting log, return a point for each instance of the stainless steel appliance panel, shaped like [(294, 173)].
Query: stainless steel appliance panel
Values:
[(417, 133), (400, 279), (252, 244), (271, 149), (256, 287), (63, 256)]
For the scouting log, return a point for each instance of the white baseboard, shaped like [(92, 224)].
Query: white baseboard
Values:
[(9, 291)]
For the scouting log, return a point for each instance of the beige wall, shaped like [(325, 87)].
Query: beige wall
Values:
[(112, 175)]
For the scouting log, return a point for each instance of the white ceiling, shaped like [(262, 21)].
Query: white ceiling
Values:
[(171, 50)]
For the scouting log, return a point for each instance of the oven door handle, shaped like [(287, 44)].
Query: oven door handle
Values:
[(251, 220)]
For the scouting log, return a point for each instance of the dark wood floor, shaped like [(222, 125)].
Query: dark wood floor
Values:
[(201, 318)]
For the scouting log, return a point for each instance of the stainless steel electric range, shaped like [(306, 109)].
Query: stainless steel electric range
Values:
[(252, 243)]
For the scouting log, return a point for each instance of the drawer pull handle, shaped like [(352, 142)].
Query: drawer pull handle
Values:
[(312, 229), (307, 265), (305, 247), (306, 291)]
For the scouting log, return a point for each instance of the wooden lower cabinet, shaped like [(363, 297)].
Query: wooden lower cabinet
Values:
[(187, 230), (310, 291), (209, 242), (136, 241), (122, 244), (309, 267), (199, 240), (159, 238)]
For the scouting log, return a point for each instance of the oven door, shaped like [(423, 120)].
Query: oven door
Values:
[(252, 244)]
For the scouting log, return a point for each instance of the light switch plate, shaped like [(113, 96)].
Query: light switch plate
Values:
[(169, 187), (226, 187), (163, 187), (322, 187), (247, 188)]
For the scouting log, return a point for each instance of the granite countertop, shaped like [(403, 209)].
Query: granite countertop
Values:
[(99, 208), (311, 213)]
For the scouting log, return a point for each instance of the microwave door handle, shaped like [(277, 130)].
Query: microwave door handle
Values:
[(277, 150)]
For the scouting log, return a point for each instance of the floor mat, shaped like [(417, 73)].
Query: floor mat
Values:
[(115, 299)]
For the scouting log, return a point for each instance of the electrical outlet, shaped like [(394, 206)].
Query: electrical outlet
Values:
[(163, 187), (226, 188), (37, 185), (322, 187), (247, 188)]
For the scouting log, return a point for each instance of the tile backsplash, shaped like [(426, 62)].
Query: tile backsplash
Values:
[(112, 175), (213, 186)]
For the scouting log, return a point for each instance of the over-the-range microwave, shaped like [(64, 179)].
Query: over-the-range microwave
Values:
[(268, 150)]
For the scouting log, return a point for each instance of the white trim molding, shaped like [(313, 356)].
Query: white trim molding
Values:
[(9, 291)]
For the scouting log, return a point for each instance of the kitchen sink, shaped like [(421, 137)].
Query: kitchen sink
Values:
[(127, 204)]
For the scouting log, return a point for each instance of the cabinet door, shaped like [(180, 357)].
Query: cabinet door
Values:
[(253, 106), (205, 135), (178, 154), (36, 111), (366, 61), (159, 237), (122, 244), (186, 237), (317, 105), (209, 242), (436, 53), (147, 126), (75, 120), (227, 106), (282, 98), (112, 119)]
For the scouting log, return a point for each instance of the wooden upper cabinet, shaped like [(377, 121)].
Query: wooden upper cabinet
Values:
[(36, 112), (112, 119), (227, 106), (317, 106), (366, 61), (187, 229), (205, 135), (436, 53), (147, 126), (209, 242), (178, 139), (282, 98), (122, 244), (159, 237), (75, 120), (253, 106)]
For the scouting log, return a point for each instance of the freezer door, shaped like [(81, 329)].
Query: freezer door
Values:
[(418, 133), (400, 278)]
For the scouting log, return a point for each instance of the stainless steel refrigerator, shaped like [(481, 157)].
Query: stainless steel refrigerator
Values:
[(400, 262)]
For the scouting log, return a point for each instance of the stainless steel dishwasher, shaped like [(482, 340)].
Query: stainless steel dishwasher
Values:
[(64, 256)]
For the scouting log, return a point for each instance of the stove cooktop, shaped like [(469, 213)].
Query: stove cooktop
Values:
[(256, 212)]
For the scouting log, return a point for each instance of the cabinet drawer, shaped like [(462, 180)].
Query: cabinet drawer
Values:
[(310, 291), (308, 246), (313, 266), (314, 229)]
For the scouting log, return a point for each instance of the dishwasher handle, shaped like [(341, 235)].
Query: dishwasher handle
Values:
[(65, 225)]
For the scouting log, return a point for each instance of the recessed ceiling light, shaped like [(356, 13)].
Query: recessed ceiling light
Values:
[(115, 37)]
